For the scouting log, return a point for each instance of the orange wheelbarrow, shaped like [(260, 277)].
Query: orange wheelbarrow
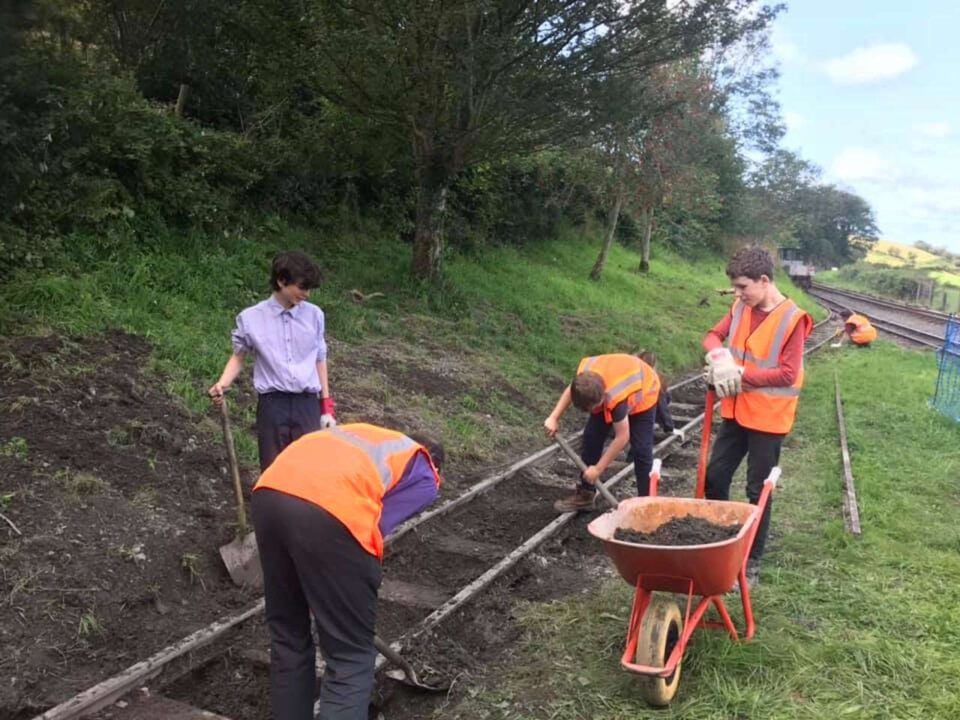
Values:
[(658, 631)]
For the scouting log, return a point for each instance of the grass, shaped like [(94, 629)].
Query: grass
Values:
[(887, 252), (526, 315), (865, 628), (15, 447), (81, 483)]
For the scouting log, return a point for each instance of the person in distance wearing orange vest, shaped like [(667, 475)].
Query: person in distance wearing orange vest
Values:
[(321, 511), (758, 376), (619, 391), (858, 328)]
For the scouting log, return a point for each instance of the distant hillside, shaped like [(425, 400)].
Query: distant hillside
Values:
[(887, 252)]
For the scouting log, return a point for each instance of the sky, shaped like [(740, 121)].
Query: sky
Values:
[(870, 92)]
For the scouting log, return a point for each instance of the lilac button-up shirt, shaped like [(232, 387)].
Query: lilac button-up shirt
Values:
[(286, 345), (417, 489)]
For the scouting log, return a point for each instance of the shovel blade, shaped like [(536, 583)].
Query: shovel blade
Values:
[(242, 560), (413, 681)]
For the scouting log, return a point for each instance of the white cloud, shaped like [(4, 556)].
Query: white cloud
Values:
[(871, 64), (784, 49), (934, 129), (794, 120), (857, 163)]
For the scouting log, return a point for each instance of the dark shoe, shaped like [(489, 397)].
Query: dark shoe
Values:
[(581, 500), (753, 576)]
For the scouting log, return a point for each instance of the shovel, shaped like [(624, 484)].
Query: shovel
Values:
[(240, 555), (578, 461), (406, 673)]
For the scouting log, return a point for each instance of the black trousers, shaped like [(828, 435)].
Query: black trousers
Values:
[(281, 419), (595, 434), (763, 454), (312, 564)]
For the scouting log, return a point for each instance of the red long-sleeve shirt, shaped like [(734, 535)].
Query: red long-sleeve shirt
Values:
[(788, 365)]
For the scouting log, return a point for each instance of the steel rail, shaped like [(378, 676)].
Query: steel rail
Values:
[(885, 302)]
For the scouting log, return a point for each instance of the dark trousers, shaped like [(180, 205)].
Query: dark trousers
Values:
[(763, 453), (281, 419), (311, 563), (595, 434)]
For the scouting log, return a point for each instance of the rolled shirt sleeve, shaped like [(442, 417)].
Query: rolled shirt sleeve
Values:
[(239, 339), (416, 489)]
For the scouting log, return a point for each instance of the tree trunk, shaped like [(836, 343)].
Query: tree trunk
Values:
[(647, 220), (612, 220), (428, 236)]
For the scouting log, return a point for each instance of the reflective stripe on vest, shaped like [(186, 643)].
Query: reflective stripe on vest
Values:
[(626, 378), (764, 408), (377, 452)]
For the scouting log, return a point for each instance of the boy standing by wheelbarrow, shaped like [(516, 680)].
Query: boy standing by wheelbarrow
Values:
[(285, 335), (758, 376), (619, 391)]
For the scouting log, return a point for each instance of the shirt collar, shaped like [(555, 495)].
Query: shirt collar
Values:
[(278, 308)]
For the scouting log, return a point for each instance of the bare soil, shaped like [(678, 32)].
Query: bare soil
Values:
[(687, 530)]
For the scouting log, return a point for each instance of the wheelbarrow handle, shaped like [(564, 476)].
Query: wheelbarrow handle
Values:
[(578, 461)]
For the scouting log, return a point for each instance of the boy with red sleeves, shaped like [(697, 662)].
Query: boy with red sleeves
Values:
[(758, 375)]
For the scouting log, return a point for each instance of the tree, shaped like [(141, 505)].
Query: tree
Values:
[(467, 81)]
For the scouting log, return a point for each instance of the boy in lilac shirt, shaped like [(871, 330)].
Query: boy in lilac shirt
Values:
[(285, 335)]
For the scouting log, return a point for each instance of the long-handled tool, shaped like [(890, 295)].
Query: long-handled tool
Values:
[(240, 555), (578, 461), (406, 672)]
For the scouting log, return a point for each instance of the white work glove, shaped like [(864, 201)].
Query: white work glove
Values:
[(680, 434), (327, 421), (835, 345), (724, 373)]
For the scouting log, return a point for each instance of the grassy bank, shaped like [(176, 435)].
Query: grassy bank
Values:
[(516, 318), (862, 628)]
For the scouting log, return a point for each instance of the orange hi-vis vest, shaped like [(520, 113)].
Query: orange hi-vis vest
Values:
[(346, 470), (625, 378), (767, 409), (863, 331)]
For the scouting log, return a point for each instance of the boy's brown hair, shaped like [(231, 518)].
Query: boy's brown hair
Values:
[(648, 356), (294, 268), (751, 262), (433, 446), (586, 391)]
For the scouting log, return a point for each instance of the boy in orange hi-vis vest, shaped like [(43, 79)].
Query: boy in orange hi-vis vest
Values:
[(619, 391), (758, 375), (321, 512), (858, 328)]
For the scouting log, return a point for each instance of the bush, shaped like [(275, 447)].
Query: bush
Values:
[(86, 153)]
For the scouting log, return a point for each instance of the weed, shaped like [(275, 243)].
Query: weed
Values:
[(134, 554), (191, 563), (81, 483), (118, 437), (21, 402), (15, 447), (145, 497), (6, 499), (89, 625)]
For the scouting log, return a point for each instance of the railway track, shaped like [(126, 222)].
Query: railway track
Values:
[(436, 564), (918, 326)]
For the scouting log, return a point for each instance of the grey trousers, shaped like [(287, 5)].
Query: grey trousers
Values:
[(312, 564)]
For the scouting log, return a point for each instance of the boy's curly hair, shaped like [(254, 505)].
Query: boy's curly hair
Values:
[(751, 262)]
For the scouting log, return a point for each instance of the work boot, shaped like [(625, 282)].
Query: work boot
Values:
[(753, 576), (582, 499)]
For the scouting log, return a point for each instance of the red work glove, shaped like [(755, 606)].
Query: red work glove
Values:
[(327, 418)]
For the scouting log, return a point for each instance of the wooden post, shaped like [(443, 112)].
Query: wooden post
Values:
[(181, 99), (851, 514)]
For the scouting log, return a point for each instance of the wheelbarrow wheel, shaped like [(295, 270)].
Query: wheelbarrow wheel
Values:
[(659, 635)]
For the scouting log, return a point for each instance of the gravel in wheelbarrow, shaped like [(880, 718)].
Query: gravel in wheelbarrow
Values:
[(688, 530)]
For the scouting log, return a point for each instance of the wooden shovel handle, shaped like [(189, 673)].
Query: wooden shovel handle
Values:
[(565, 446), (234, 467)]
